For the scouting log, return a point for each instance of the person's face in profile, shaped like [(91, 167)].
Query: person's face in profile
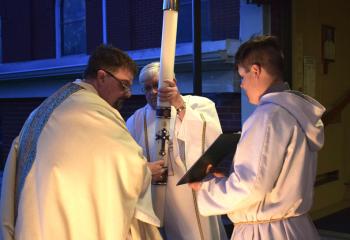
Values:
[(150, 88), (246, 82), (115, 86), (251, 83)]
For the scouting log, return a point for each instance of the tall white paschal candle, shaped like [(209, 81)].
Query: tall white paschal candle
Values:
[(163, 112), (167, 59)]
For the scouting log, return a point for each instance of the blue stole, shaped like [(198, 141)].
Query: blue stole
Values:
[(31, 132)]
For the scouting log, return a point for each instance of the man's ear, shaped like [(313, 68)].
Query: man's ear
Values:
[(100, 76), (256, 69)]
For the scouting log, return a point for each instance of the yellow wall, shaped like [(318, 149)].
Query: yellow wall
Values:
[(308, 16)]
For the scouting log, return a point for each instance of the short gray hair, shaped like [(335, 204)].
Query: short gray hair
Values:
[(149, 71)]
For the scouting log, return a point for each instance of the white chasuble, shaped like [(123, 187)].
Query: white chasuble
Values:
[(85, 179)]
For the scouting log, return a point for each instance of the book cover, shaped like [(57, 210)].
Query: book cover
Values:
[(219, 155)]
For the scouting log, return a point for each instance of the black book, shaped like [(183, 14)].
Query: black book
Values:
[(219, 155)]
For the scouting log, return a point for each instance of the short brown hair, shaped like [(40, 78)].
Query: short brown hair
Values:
[(109, 58), (264, 51)]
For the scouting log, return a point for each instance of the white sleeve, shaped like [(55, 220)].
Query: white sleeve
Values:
[(198, 106), (191, 128)]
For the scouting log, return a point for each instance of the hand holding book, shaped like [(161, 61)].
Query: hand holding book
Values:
[(197, 185), (216, 159)]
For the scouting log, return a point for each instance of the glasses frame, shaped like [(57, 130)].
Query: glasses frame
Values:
[(149, 89), (124, 83)]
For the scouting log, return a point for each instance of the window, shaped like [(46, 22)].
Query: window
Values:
[(184, 33), (1, 149), (104, 22), (0, 41), (73, 27)]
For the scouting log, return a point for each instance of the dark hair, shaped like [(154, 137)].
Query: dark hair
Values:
[(109, 58), (264, 51)]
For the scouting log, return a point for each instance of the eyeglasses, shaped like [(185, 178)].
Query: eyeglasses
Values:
[(149, 88), (124, 83)]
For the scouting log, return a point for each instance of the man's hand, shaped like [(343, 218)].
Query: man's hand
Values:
[(157, 170), (212, 170), (195, 185), (171, 94)]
